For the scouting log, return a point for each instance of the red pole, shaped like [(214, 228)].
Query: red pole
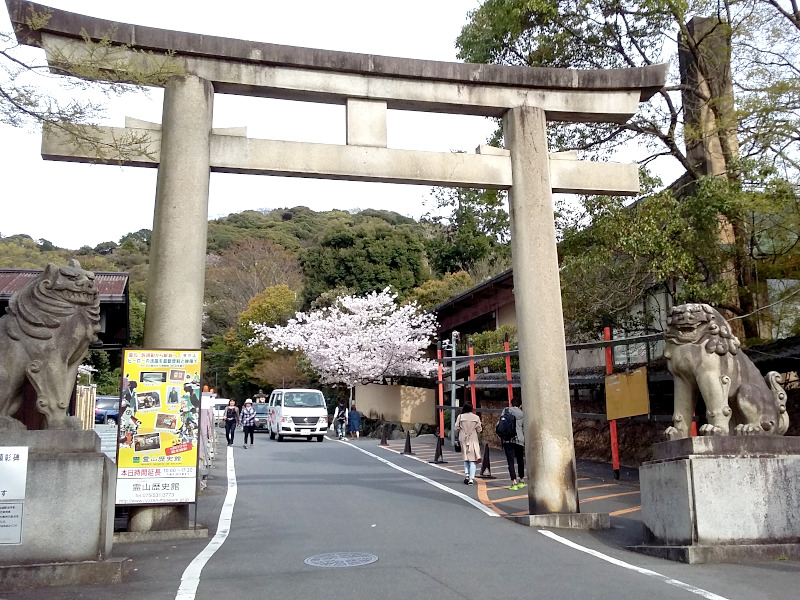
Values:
[(508, 369), (613, 422), (441, 391), (471, 374)]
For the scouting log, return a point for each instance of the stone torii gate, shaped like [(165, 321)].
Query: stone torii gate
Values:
[(186, 149)]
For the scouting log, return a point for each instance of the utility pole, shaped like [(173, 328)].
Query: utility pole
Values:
[(454, 337)]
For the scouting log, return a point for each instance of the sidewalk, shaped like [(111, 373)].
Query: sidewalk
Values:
[(598, 491)]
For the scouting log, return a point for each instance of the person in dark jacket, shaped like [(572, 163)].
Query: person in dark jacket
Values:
[(340, 417), (231, 420), (515, 447), (354, 422)]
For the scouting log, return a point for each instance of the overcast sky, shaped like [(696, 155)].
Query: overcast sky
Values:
[(73, 204)]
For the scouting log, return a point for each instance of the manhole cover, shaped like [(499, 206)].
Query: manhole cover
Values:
[(341, 559)]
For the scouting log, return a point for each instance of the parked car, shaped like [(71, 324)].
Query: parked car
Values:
[(262, 421), (106, 410)]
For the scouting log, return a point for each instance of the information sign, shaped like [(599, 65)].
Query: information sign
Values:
[(13, 480), (158, 427)]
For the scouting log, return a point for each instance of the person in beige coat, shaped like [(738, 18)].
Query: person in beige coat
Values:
[(468, 426)]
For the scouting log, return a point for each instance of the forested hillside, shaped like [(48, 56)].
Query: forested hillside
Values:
[(267, 265)]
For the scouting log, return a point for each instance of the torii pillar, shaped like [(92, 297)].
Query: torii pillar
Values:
[(178, 245), (549, 452), (175, 290)]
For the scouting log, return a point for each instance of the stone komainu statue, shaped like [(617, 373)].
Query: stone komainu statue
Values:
[(44, 336), (704, 358)]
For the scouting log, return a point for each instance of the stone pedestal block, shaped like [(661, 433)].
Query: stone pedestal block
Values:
[(68, 511), (717, 499)]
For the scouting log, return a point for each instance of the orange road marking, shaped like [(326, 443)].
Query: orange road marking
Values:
[(499, 486), (483, 488), (624, 511), (592, 487), (510, 498), (483, 498), (608, 496)]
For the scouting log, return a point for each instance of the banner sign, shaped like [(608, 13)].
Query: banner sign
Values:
[(13, 480), (159, 421), (626, 394)]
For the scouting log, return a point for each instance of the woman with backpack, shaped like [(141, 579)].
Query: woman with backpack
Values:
[(340, 418), (468, 426), (514, 446)]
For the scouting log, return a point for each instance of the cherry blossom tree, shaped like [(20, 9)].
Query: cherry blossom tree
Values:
[(360, 339)]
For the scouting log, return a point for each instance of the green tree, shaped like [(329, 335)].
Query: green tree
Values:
[(21, 252), (473, 230), (593, 34), (489, 342), (756, 135), (138, 240), (32, 94), (103, 248), (235, 363), (664, 242), (436, 291), (241, 271), (365, 257), (136, 322)]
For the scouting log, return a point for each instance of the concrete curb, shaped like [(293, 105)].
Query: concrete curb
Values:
[(132, 537), (591, 521), (728, 553), (23, 577)]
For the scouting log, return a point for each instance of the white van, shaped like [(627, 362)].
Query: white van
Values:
[(297, 413)]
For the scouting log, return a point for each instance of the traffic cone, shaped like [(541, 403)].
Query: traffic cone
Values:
[(383, 436), (407, 449), (486, 465), (437, 457)]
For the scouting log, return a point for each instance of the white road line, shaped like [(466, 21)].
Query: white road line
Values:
[(669, 581), (435, 484), (422, 460), (191, 576)]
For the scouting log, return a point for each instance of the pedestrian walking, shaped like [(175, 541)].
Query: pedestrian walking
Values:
[(340, 419), (515, 447), (231, 420), (354, 422), (248, 419), (468, 426)]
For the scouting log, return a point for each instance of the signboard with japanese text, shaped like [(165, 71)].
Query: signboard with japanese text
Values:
[(13, 480), (626, 394), (159, 421)]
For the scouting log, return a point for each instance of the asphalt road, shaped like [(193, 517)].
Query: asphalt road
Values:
[(296, 499)]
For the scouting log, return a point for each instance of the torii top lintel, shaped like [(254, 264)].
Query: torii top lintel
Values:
[(276, 71)]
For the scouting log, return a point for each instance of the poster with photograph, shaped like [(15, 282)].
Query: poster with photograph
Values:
[(158, 427)]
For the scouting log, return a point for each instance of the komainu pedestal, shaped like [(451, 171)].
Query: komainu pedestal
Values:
[(722, 499), (67, 513)]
